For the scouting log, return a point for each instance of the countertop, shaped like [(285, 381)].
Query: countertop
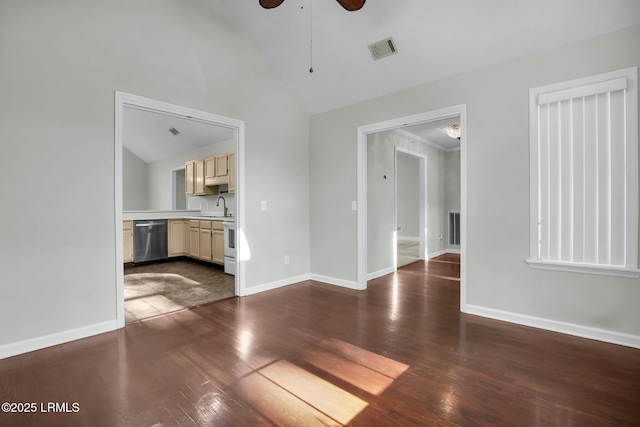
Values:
[(191, 214)]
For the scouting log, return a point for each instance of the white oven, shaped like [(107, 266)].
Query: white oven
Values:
[(229, 247)]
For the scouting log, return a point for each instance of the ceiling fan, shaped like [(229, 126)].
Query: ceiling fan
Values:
[(350, 5)]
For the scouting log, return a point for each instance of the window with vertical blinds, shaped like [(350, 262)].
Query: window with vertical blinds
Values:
[(584, 175)]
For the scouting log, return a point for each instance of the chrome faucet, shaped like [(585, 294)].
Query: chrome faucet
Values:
[(224, 204)]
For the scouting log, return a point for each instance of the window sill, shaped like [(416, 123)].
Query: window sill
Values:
[(585, 268)]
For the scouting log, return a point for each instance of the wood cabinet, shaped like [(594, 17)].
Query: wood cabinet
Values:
[(200, 239), (218, 243), (203, 176), (209, 170), (222, 166), (178, 232), (194, 239), (206, 245), (189, 178), (194, 174), (217, 170), (232, 172), (127, 241)]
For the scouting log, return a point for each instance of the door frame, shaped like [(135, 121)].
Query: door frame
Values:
[(362, 133), (123, 100)]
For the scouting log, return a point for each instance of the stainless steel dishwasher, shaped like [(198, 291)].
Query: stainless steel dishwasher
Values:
[(149, 240)]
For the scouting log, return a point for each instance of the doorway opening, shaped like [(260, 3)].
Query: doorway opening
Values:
[(172, 181), (411, 206), (178, 196), (432, 238)]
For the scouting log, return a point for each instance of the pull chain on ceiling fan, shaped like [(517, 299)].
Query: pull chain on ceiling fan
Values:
[(350, 5)]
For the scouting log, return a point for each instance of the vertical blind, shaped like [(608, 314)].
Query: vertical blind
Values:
[(586, 206)]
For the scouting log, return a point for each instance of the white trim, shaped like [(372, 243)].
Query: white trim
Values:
[(21, 347), (362, 132), (581, 88), (252, 290), (443, 252), (381, 273), (557, 326), (408, 239), (335, 281), (124, 99), (437, 253), (604, 270)]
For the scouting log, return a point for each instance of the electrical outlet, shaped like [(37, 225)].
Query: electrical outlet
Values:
[(441, 238), (286, 259)]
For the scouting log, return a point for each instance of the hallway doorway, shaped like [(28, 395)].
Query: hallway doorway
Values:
[(435, 235)]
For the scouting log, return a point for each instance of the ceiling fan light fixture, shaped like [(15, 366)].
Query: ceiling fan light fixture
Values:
[(453, 131), (350, 5)]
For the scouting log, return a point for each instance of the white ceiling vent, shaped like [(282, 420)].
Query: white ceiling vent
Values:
[(383, 48)]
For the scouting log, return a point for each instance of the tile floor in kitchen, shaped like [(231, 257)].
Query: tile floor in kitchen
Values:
[(164, 287)]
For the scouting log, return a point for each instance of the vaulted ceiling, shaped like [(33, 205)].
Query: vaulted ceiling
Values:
[(434, 38)]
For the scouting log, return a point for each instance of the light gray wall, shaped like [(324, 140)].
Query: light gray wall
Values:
[(61, 64), (135, 188), (380, 196), (496, 99), (408, 195)]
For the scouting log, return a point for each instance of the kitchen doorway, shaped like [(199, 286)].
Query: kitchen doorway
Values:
[(178, 196), (364, 133), (124, 102)]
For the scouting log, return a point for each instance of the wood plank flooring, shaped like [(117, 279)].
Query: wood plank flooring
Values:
[(311, 354)]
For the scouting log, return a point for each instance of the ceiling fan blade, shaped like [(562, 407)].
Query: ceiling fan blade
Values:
[(270, 4), (352, 5)]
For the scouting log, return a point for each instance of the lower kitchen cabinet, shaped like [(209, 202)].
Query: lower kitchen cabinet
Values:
[(205, 241), (194, 239), (218, 243), (127, 241), (178, 233), (199, 239)]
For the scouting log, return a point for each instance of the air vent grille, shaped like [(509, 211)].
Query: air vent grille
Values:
[(383, 48)]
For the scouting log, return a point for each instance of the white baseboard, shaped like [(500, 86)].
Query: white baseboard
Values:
[(442, 252), (334, 281), (380, 273), (275, 285), (613, 337), (33, 344), (408, 239), (435, 254)]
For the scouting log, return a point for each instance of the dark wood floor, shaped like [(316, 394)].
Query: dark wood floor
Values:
[(399, 353)]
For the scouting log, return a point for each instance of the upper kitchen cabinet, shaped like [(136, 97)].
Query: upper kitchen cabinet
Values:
[(232, 172), (195, 179), (216, 170)]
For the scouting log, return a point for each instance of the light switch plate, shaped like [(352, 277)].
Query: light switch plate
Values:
[(263, 205)]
